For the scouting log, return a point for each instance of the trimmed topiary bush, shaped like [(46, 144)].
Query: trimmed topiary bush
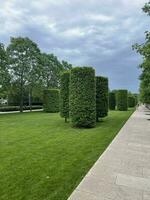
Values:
[(101, 97), (136, 96), (112, 100), (51, 100), (122, 100), (131, 101), (64, 95), (83, 97)]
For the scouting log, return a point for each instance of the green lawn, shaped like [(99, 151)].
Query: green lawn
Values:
[(43, 158)]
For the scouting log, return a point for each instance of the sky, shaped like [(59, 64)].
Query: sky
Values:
[(96, 33)]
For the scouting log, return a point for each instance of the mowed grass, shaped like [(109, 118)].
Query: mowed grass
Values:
[(43, 158)]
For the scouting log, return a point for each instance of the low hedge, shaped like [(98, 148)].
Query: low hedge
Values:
[(17, 108), (51, 100)]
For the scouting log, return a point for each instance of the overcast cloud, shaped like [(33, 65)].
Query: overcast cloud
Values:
[(96, 33)]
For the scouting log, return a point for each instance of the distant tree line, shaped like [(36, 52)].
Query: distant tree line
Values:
[(25, 71)]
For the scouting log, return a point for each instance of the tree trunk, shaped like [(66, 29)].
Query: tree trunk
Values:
[(21, 101), (21, 95), (65, 119)]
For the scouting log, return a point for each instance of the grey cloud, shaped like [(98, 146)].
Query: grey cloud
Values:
[(95, 33)]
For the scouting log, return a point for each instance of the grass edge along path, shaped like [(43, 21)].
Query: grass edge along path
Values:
[(43, 158)]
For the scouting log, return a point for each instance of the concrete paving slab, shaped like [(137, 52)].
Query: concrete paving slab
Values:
[(123, 170), (82, 195), (146, 195), (133, 182)]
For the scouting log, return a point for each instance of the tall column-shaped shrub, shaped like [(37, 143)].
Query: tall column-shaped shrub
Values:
[(112, 100), (122, 100), (101, 97), (136, 96), (83, 97), (131, 101), (51, 100), (64, 95)]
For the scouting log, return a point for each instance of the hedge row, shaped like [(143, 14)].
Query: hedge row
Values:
[(83, 97), (122, 100), (51, 100), (101, 97)]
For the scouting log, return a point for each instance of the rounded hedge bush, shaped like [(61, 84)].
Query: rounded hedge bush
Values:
[(51, 100), (83, 97), (131, 101), (112, 100), (101, 97), (122, 100), (64, 95)]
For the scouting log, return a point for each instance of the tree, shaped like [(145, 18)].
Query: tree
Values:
[(23, 60), (51, 100), (101, 97), (51, 70), (64, 95), (66, 65), (144, 50), (83, 97), (4, 73), (122, 100)]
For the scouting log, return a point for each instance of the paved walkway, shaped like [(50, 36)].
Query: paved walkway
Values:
[(123, 170)]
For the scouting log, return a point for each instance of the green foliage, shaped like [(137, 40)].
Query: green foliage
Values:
[(66, 65), (23, 62), (4, 73), (122, 100), (146, 8), (131, 101), (25, 72), (145, 92), (112, 100), (101, 97), (144, 51), (136, 96), (83, 97), (51, 69), (64, 95), (51, 100)]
